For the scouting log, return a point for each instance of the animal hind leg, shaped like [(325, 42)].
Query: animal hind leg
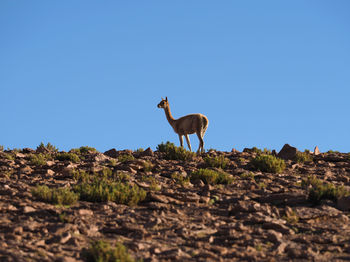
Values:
[(201, 143), (188, 142), (181, 141)]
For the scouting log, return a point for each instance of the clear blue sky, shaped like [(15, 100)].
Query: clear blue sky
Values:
[(265, 73)]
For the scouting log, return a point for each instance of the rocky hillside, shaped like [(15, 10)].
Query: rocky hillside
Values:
[(170, 205)]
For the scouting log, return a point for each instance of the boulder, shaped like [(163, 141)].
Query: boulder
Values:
[(343, 203), (287, 152), (112, 153)]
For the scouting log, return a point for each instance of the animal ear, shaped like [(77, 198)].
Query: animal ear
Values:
[(166, 98), (162, 98)]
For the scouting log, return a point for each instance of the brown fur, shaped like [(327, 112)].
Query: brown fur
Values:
[(186, 125)]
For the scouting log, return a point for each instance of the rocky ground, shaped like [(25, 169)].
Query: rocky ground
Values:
[(259, 217)]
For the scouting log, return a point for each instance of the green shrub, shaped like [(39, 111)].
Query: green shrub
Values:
[(125, 158), (212, 177), (81, 175), (49, 147), (63, 156), (10, 156), (268, 163), (102, 190), (1, 148), (217, 161), (180, 179), (173, 152), (139, 150), (312, 181), (39, 159), (83, 150), (147, 166), (153, 183), (58, 196), (332, 152), (259, 151), (319, 190), (101, 251), (302, 157), (249, 175)]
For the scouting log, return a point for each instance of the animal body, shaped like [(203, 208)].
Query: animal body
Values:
[(186, 125)]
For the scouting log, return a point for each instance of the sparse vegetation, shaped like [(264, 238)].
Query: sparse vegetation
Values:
[(10, 156), (154, 185), (83, 150), (147, 166), (64, 156), (125, 158), (212, 177), (217, 161), (57, 196), (302, 157), (291, 217), (101, 251), (259, 151), (173, 152), (102, 190), (139, 150), (49, 148), (268, 163), (318, 190), (39, 159), (248, 175), (1, 148), (332, 151), (81, 175), (64, 218), (180, 179)]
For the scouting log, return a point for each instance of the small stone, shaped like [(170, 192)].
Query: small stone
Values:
[(287, 152), (28, 209), (85, 212), (65, 237), (26, 170), (274, 236), (50, 172), (18, 230)]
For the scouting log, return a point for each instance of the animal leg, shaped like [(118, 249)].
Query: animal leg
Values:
[(201, 143), (181, 141), (188, 142)]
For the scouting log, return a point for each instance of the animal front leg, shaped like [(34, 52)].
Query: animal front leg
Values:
[(188, 142), (181, 141)]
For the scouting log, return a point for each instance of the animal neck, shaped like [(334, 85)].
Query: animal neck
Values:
[(170, 118)]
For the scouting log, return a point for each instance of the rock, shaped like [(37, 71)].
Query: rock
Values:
[(147, 152), (26, 170), (28, 209), (274, 236), (287, 152), (65, 259), (112, 153), (279, 227), (85, 212), (100, 157), (65, 237), (50, 172), (343, 203), (316, 151)]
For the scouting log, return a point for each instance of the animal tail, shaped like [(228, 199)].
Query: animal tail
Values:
[(205, 123)]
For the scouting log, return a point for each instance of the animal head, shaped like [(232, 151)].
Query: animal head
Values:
[(164, 103)]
